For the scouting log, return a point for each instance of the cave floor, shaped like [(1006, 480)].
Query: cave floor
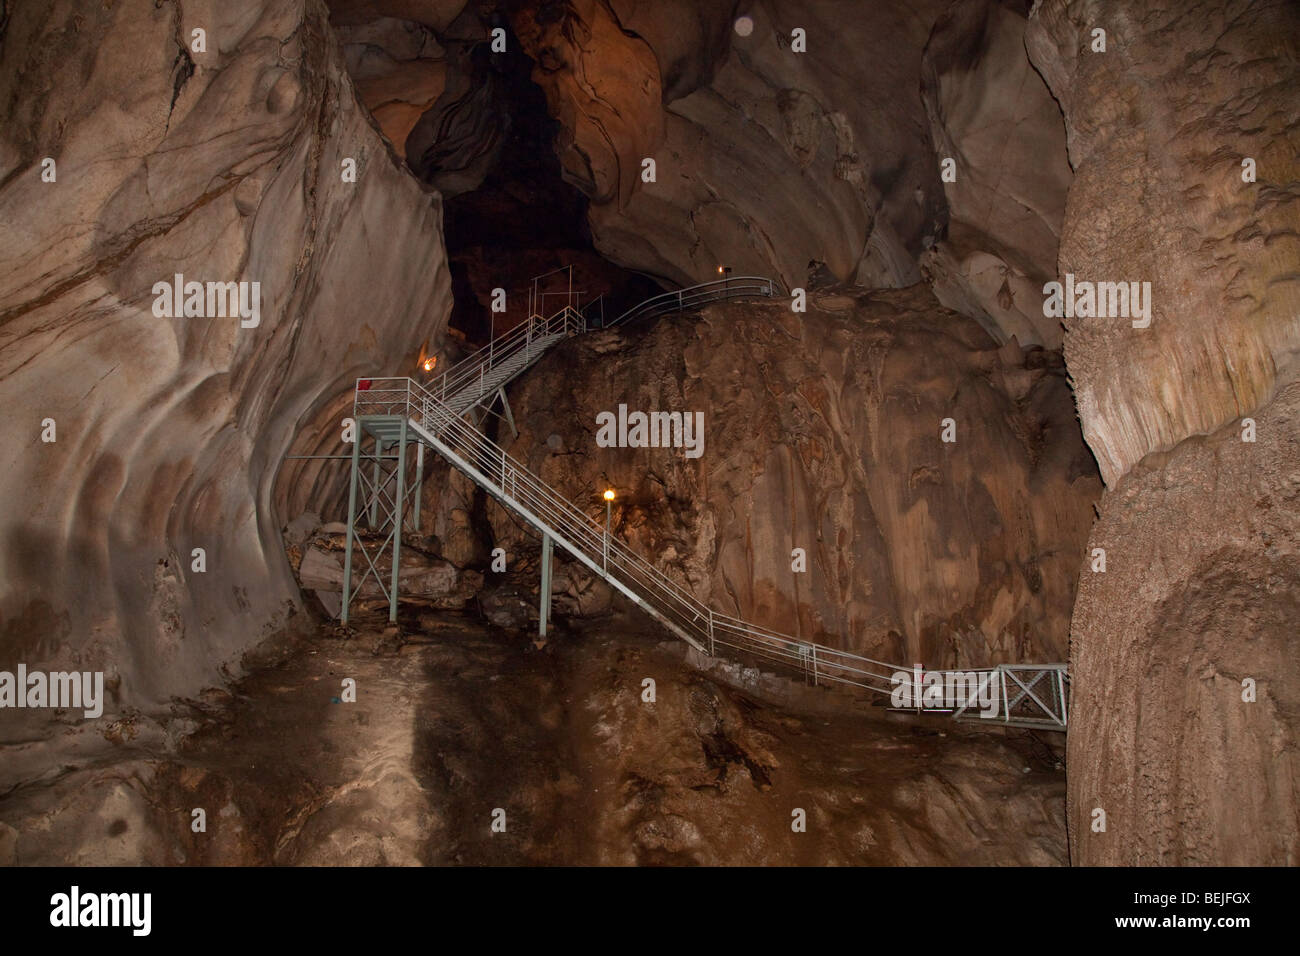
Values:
[(466, 745), (469, 745)]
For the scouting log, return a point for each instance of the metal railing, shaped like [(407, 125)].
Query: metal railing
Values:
[(1026, 695), (691, 297), (550, 513), (487, 369), (434, 410)]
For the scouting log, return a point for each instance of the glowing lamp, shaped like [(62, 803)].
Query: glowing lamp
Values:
[(609, 494)]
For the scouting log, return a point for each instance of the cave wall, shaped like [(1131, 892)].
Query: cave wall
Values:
[(1157, 128), (399, 69), (1199, 595), (823, 432), (220, 165), (767, 160), (1199, 525), (992, 116)]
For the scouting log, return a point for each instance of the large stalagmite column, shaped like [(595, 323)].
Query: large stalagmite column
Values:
[(1181, 130)]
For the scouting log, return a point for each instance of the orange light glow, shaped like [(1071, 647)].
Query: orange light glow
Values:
[(609, 495), (429, 363)]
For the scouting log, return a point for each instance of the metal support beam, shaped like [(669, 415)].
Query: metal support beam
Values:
[(379, 498), (545, 611), (510, 418), (419, 483), (374, 501), (352, 520), (397, 520)]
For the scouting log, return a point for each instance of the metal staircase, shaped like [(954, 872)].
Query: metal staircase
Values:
[(401, 411), (483, 373)]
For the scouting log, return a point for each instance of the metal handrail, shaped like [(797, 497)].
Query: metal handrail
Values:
[(691, 296), (580, 532), (438, 407), (520, 489), (531, 338)]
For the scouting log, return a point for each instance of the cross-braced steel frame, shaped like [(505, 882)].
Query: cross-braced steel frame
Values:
[(380, 491)]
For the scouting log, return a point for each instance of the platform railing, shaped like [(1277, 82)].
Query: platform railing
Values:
[(1028, 702), (476, 375), (732, 287)]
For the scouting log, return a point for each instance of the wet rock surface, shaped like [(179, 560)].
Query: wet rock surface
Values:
[(452, 721)]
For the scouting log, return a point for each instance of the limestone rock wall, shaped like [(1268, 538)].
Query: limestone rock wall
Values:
[(823, 432), (399, 69), (993, 117), (1199, 525), (1157, 129), (223, 165), (768, 160), (1199, 595)]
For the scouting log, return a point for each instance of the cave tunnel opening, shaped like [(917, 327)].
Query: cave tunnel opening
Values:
[(510, 214), (483, 136)]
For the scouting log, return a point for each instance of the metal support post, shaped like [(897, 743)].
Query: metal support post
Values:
[(352, 520), (374, 490), (419, 482), (397, 519), (608, 508), (545, 611), (505, 406)]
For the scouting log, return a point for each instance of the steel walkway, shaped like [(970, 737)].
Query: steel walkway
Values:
[(400, 412)]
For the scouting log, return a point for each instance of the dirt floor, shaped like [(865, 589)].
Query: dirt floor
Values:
[(469, 745)]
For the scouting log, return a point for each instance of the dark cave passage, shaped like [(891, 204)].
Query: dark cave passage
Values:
[(521, 218)]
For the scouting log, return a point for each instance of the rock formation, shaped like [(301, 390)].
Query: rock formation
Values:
[(823, 431), (766, 159), (224, 162), (399, 69), (587, 774), (993, 119), (1199, 524), (1158, 128)]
